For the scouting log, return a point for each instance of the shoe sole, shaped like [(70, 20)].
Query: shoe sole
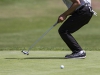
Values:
[(77, 57)]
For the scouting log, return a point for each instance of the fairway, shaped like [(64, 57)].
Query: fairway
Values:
[(23, 21), (48, 63)]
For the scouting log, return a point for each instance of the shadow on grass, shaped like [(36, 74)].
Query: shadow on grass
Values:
[(39, 58)]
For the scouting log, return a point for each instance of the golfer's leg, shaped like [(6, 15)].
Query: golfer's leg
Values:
[(69, 39)]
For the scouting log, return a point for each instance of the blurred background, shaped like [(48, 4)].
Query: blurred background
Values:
[(22, 22)]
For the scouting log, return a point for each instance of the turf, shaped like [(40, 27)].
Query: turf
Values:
[(23, 21), (48, 63)]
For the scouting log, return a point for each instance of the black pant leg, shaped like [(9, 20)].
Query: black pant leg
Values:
[(72, 24)]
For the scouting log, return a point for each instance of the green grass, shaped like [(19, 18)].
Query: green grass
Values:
[(23, 21), (48, 63)]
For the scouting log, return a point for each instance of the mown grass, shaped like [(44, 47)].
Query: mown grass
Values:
[(23, 21), (48, 63)]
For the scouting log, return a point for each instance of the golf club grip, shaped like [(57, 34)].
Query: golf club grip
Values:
[(42, 36)]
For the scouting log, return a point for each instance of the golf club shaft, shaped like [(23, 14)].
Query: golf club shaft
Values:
[(41, 37)]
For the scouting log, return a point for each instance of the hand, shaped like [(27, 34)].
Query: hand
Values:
[(61, 18)]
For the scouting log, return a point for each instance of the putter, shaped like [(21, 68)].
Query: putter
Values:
[(27, 52)]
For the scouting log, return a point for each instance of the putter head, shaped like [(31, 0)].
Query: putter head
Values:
[(24, 52)]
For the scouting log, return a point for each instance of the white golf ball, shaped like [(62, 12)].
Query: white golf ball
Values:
[(62, 66)]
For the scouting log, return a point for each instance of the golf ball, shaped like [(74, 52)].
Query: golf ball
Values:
[(62, 66)]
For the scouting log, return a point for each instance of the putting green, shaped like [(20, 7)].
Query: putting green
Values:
[(48, 63)]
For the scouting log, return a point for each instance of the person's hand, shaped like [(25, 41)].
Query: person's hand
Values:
[(61, 18)]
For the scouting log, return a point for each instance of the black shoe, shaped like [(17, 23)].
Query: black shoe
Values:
[(81, 54)]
